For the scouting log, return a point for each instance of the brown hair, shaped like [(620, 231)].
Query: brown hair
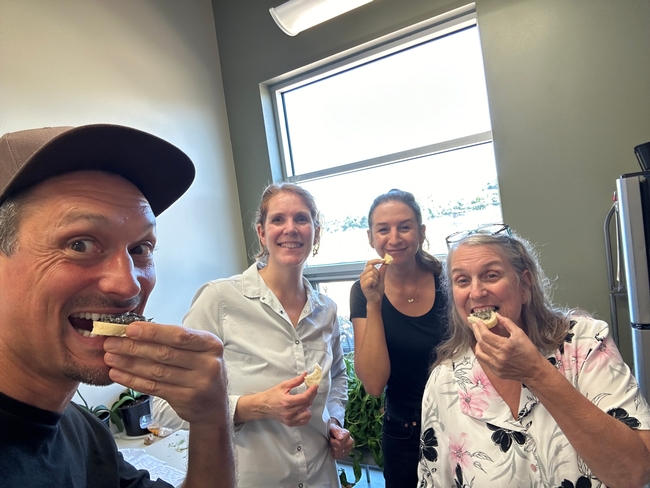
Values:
[(425, 260), (275, 189), (546, 324)]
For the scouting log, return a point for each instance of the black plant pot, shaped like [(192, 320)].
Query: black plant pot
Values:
[(105, 417), (131, 414)]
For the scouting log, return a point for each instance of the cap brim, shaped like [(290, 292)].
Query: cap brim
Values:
[(160, 170)]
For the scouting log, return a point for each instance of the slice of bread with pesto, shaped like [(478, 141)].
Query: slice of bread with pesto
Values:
[(116, 325), (488, 317)]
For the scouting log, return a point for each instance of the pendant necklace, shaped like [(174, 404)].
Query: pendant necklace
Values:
[(409, 300), (416, 294)]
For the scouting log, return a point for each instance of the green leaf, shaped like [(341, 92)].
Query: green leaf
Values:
[(363, 418), (125, 397), (117, 420), (343, 478)]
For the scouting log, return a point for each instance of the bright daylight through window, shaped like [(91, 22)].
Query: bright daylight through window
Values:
[(409, 112)]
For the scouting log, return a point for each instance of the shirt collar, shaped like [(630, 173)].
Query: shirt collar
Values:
[(253, 286)]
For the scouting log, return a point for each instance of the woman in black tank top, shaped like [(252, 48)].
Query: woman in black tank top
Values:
[(397, 309)]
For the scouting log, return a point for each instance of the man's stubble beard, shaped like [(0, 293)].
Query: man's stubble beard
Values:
[(86, 374)]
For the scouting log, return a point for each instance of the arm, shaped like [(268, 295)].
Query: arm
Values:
[(338, 393), (186, 368), (371, 360), (166, 416), (625, 462), (340, 440)]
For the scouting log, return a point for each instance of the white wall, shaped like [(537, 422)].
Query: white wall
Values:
[(150, 64)]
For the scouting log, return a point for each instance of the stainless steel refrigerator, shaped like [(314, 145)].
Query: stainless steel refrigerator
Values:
[(633, 207)]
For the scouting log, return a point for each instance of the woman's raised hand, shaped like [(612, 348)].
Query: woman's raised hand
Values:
[(507, 350), (372, 280)]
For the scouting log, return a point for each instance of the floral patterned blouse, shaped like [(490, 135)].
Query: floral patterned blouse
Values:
[(471, 439)]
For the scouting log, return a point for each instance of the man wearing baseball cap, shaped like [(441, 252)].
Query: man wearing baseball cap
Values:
[(77, 234)]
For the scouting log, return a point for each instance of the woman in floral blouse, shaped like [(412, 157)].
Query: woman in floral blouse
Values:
[(543, 399)]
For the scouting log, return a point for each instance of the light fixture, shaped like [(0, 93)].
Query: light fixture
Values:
[(295, 16)]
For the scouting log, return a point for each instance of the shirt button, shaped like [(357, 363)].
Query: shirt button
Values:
[(281, 311), (297, 341), (299, 448), (299, 485)]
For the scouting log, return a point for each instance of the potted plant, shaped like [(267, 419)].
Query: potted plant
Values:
[(364, 418), (129, 411), (102, 412)]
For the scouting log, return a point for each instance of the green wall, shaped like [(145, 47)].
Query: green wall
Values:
[(569, 89)]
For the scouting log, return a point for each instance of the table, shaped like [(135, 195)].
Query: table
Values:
[(171, 450)]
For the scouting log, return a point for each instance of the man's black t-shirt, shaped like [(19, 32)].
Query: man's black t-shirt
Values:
[(39, 448)]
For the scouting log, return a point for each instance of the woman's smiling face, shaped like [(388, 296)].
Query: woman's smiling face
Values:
[(395, 231), (481, 279), (288, 232)]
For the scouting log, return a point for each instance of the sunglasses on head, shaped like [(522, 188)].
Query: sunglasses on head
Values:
[(487, 229)]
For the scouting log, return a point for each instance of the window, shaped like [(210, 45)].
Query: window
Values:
[(408, 111)]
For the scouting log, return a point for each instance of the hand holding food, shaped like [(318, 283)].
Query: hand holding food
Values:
[(278, 403), (181, 365), (510, 354), (372, 280)]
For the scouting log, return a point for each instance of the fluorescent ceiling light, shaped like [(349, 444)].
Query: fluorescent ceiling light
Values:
[(297, 15)]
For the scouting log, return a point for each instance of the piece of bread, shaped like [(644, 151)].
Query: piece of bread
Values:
[(315, 377), (388, 259), (108, 329), (488, 317)]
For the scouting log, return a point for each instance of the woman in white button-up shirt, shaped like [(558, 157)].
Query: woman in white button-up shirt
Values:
[(275, 328)]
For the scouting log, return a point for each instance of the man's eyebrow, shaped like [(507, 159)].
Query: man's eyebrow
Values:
[(74, 217), (93, 218)]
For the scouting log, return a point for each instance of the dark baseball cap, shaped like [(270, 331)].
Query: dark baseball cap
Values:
[(160, 170)]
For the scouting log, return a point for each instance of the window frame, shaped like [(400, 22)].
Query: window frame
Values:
[(274, 117)]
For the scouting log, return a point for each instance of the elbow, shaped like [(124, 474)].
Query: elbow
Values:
[(640, 482), (374, 390), (644, 481), (373, 382), (637, 478)]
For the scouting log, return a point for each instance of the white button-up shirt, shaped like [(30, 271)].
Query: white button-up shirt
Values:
[(262, 349)]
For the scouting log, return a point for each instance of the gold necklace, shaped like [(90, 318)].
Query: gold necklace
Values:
[(416, 294), (410, 300)]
